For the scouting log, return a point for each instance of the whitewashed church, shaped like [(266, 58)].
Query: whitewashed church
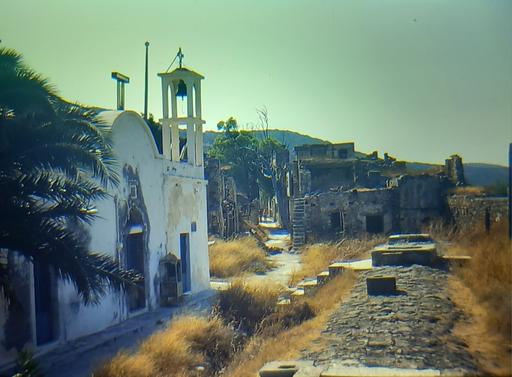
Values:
[(156, 214)]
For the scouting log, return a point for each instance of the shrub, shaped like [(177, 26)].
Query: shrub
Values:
[(236, 257), (187, 343), (246, 305)]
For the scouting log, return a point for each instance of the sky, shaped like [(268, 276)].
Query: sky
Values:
[(419, 79)]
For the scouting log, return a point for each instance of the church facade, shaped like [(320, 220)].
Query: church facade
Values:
[(158, 212)]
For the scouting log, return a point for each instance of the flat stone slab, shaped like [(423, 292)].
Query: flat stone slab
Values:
[(357, 265), (291, 368), (343, 371)]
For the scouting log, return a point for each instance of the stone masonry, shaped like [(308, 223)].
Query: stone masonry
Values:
[(412, 329)]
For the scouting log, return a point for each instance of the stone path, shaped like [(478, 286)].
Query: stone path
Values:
[(285, 264), (408, 330)]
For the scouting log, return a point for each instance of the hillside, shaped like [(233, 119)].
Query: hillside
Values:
[(477, 174), (485, 174)]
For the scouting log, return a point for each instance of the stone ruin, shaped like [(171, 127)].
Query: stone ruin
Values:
[(338, 192)]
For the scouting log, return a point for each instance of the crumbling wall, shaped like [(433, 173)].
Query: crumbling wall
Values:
[(359, 211), (469, 212), (420, 200), (224, 207), (454, 170), (340, 151), (215, 195)]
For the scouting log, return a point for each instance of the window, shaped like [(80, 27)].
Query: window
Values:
[(337, 221), (374, 224), (342, 153)]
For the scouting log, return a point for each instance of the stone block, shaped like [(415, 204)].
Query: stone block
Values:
[(336, 269), (404, 258), (323, 277), (292, 368), (456, 260), (381, 285), (310, 287)]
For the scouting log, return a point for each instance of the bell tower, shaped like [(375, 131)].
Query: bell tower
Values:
[(184, 83)]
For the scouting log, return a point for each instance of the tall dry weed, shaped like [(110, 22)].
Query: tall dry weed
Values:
[(489, 274), (245, 305), (188, 345), (237, 257), (287, 344)]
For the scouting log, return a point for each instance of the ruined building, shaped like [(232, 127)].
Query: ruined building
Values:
[(337, 192), (454, 170), (223, 208), (156, 214)]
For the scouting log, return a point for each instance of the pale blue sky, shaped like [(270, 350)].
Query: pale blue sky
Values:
[(420, 79)]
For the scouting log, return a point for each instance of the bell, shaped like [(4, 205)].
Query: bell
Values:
[(182, 89)]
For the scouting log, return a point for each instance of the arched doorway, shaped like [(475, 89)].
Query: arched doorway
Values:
[(135, 259)]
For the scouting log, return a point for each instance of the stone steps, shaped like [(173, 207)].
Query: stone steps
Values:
[(298, 223)]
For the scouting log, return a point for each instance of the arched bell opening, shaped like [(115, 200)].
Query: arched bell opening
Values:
[(180, 98)]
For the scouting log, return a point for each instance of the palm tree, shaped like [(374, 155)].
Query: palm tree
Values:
[(55, 161)]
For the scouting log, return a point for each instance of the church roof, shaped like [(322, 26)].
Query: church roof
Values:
[(181, 72)]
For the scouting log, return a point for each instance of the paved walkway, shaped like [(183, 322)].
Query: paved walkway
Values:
[(79, 357), (408, 330)]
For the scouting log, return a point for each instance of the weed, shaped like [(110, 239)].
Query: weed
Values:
[(236, 257)]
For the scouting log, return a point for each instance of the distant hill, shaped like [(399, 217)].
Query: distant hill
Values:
[(485, 174), (477, 174)]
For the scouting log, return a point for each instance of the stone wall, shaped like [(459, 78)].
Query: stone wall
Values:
[(420, 200), (349, 213), (469, 212), (340, 151), (408, 204), (212, 173)]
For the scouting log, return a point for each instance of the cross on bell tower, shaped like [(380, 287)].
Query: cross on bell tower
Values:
[(182, 82)]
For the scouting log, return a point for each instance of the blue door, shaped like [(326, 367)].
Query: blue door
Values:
[(185, 261)]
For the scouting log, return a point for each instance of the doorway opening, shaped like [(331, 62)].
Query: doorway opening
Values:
[(136, 295), (46, 299), (185, 261), (374, 224), (337, 223)]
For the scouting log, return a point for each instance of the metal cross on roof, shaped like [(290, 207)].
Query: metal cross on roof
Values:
[(180, 56)]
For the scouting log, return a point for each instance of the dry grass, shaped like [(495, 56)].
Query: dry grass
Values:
[(331, 294), (237, 257), (489, 274), (488, 278), (317, 257), (177, 351), (490, 349), (277, 333), (469, 190), (288, 343)]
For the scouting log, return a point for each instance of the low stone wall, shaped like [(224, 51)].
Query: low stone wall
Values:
[(469, 212)]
